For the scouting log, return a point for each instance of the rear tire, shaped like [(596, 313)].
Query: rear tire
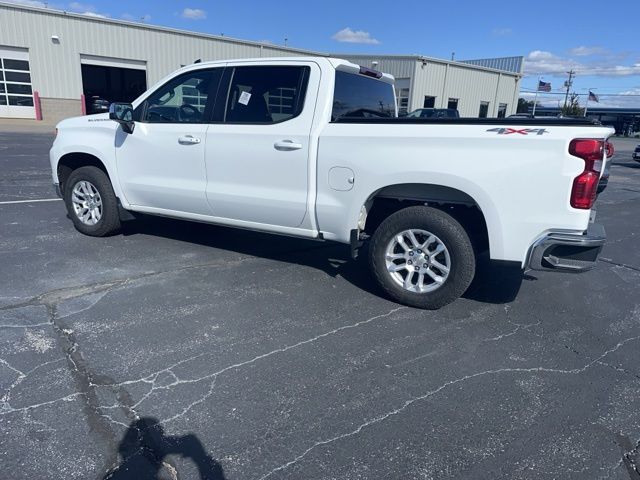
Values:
[(91, 203), (422, 257)]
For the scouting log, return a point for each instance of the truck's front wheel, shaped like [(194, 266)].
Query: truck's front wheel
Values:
[(422, 257), (91, 202)]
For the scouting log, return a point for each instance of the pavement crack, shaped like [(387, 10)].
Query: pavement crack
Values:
[(411, 401), (192, 404), (153, 378), (630, 455), (619, 369), (517, 326), (5, 400), (623, 265), (33, 325)]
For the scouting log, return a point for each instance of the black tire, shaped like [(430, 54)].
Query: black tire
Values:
[(449, 232), (109, 222)]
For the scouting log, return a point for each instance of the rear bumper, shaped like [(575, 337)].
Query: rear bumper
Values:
[(566, 252)]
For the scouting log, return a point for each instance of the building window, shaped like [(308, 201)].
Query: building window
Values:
[(429, 102), (452, 103), (484, 110), (402, 94), (502, 110), (15, 83)]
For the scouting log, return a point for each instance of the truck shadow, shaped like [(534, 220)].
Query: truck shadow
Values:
[(493, 283)]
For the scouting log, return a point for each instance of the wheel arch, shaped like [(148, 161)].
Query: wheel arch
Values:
[(72, 161), (460, 205)]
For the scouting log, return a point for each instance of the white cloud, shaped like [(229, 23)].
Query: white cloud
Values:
[(132, 18), (502, 32), (347, 35), (583, 51), (193, 14), (540, 62), (81, 7), (86, 9), (94, 14)]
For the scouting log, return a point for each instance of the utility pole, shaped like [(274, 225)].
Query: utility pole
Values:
[(568, 84)]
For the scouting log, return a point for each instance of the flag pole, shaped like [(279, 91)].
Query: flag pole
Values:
[(586, 105), (535, 99)]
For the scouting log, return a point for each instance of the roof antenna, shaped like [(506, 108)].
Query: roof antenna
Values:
[(198, 61), (453, 56)]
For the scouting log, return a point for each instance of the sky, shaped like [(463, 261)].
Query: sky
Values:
[(599, 41)]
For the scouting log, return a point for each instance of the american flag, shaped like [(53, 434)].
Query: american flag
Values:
[(544, 86), (593, 97)]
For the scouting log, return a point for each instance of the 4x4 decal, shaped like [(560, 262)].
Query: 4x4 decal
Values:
[(521, 131)]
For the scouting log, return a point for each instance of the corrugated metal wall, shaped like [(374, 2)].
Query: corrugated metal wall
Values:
[(509, 64), (399, 67), (55, 67)]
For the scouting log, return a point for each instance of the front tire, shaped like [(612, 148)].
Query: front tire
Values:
[(91, 202), (422, 257)]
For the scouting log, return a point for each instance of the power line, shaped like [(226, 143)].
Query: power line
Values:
[(584, 94)]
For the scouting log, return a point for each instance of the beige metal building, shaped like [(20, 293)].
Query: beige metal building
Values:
[(56, 64)]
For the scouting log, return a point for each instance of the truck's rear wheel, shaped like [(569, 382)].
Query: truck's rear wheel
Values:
[(422, 257), (91, 202)]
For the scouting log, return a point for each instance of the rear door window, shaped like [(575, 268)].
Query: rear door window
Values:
[(266, 94), (360, 96)]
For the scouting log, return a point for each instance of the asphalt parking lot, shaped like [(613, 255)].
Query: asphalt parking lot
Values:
[(260, 357)]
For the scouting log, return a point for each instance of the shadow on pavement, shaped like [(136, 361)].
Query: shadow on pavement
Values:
[(633, 164), (493, 283), (144, 449)]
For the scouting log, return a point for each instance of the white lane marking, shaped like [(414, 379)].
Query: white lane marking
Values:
[(30, 201)]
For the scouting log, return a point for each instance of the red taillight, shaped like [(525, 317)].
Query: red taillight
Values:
[(585, 185), (609, 148)]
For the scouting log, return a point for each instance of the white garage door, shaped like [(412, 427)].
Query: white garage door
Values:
[(16, 94)]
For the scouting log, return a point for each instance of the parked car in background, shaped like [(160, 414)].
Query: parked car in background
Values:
[(99, 105), (636, 154), (434, 113)]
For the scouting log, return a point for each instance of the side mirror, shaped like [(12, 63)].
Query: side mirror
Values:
[(123, 114)]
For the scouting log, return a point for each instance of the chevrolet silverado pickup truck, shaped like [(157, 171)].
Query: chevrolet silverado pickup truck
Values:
[(313, 147)]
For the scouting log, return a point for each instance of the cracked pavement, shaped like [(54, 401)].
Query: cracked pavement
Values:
[(266, 357)]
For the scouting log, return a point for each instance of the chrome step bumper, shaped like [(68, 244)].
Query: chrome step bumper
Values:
[(566, 252)]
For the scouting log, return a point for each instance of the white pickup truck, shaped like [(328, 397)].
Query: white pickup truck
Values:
[(312, 147)]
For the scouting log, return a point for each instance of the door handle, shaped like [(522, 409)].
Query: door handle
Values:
[(188, 140), (287, 145)]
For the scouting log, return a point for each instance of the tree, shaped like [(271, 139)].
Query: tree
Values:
[(573, 108), (525, 106)]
